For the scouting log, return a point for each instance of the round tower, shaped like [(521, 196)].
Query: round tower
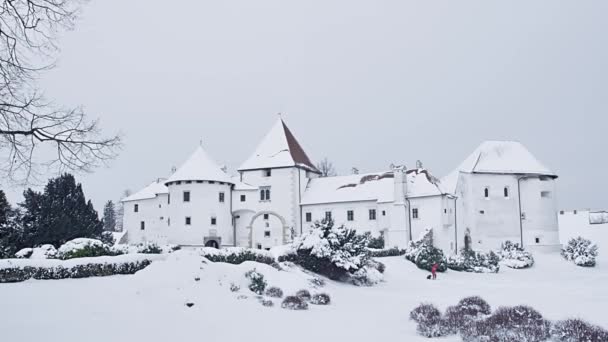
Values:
[(198, 204)]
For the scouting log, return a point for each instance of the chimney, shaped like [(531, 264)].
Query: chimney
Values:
[(355, 171), (400, 174)]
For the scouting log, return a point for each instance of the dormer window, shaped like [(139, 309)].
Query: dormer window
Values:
[(267, 172)]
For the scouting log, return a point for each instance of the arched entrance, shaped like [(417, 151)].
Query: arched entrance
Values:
[(285, 230), (212, 242)]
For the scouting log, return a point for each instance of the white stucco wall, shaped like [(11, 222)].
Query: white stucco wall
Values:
[(150, 211), (434, 213), (204, 204), (339, 211)]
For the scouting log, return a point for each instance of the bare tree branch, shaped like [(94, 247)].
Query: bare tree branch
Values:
[(29, 123), (327, 168)]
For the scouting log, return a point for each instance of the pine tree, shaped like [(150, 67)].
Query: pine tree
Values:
[(11, 237), (109, 217), (60, 214), (5, 208)]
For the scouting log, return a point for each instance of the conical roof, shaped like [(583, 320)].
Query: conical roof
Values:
[(151, 191), (279, 148), (200, 167)]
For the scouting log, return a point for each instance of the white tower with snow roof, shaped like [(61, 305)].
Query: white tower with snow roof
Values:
[(280, 169), (199, 203)]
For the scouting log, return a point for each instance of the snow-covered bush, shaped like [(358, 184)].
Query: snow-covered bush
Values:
[(335, 252), (320, 299), (150, 248), (374, 242), (429, 320), (472, 261), (514, 256), (258, 283), (520, 323), (387, 252), (267, 303), (44, 252), (459, 317), (24, 253), (90, 269), (424, 254), (274, 292), (580, 250), (576, 330), (294, 303), (304, 295), (234, 287), (84, 248), (237, 255), (368, 275)]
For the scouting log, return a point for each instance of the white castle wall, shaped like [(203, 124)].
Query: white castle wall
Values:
[(150, 211)]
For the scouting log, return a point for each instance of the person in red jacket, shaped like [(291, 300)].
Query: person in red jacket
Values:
[(434, 271)]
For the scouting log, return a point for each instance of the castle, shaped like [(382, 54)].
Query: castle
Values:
[(500, 192)]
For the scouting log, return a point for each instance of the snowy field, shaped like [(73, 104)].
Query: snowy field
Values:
[(150, 305)]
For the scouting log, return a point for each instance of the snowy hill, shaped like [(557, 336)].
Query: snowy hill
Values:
[(150, 305)]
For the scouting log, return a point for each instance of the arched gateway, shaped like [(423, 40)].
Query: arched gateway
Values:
[(286, 229)]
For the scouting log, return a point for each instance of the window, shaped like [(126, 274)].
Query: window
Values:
[(168, 221), (486, 192), (267, 233), (383, 212), (350, 215), (169, 199), (178, 182), (214, 221), (222, 197), (506, 192), (266, 216), (188, 221), (162, 218), (267, 173), (372, 214), (545, 194), (142, 225), (537, 240), (265, 194), (243, 198), (561, 212), (160, 205), (445, 211), (482, 212), (136, 208), (415, 214), (328, 215), (259, 246), (199, 182), (575, 212), (308, 217), (186, 196)]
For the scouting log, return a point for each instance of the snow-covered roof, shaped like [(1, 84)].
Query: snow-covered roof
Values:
[(378, 187), (502, 157), (151, 191), (279, 148), (242, 186), (200, 167)]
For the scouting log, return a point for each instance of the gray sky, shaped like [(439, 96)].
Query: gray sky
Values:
[(366, 83)]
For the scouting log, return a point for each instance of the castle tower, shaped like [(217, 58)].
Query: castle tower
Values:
[(199, 201)]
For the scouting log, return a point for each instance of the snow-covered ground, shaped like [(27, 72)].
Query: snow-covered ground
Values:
[(150, 305)]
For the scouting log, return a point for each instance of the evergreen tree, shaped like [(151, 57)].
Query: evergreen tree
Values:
[(120, 211), (11, 234), (60, 214), (109, 217)]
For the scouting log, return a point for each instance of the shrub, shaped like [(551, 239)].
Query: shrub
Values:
[(294, 303), (107, 238), (44, 252), (576, 330), (389, 252), (463, 314), (509, 324), (320, 299), (335, 252), (472, 261), (274, 292), (234, 287), (514, 256), (24, 253), (267, 303), (424, 254), (429, 321), (85, 248), (375, 242), (304, 295), (582, 251), (367, 276), (258, 283), (18, 274), (237, 256), (317, 282), (150, 249)]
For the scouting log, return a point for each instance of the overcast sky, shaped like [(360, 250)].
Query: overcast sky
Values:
[(365, 83)]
